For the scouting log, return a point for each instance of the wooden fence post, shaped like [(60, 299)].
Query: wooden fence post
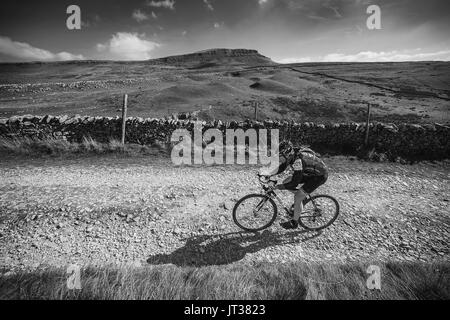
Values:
[(366, 141), (124, 117)]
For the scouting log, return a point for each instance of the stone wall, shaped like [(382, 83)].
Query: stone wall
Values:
[(408, 141)]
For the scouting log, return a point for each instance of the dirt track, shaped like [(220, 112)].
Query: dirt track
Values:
[(120, 210)]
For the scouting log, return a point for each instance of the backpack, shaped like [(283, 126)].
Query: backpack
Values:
[(312, 164), (307, 150)]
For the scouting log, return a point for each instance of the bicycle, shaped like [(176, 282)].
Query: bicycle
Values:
[(314, 208)]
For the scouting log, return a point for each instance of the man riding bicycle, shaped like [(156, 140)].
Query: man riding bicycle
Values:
[(308, 169)]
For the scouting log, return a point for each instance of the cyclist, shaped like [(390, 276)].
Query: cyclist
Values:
[(308, 169)]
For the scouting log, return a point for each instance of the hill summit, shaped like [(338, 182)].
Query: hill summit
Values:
[(213, 57)]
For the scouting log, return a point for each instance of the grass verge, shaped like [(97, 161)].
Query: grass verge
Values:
[(27, 147), (266, 281)]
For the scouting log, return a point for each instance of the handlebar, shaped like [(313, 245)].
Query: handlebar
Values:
[(266, 182), (262, 179)]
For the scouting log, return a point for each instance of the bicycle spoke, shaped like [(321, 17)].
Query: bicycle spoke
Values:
[(319, 213), (254, 212)]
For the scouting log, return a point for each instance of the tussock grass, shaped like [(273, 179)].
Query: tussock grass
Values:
[(265, 281), (58, 147)]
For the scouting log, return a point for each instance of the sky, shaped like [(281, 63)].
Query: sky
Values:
[(284, 30)]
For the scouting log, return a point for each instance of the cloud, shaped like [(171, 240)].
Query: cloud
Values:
[(394, 56), (337, 14), (139, 16), (128, 46), (167, 4), (208, 5), (262, 2), (25, 52), (294, 60), (370, 56), (323, 10)]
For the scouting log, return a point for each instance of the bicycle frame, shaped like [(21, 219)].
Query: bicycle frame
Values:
[(270, 193)]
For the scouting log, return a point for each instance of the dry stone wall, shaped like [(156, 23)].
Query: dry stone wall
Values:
[(408, 141)]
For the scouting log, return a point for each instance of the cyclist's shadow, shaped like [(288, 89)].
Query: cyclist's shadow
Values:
[(220, 249)]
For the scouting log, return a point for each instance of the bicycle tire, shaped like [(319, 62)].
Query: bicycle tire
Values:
[(335, 216), (262, 196)]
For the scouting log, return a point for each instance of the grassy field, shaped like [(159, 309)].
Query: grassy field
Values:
[(415, 92), (266, 281)]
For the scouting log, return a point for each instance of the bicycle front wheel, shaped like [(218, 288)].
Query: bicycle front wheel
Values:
[(319, 212), (255, 212)]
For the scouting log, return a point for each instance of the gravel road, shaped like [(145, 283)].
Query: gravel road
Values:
[(140, 211)]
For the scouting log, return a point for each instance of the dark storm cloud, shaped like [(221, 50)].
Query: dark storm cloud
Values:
[(282, 29)]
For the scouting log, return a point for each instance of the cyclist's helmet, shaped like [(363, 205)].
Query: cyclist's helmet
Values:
[(286, 148)]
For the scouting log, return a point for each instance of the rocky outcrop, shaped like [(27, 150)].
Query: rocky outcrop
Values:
[(408, 141)]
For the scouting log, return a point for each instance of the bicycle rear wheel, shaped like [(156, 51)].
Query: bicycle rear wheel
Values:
[(319, 212), (255, 212)]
